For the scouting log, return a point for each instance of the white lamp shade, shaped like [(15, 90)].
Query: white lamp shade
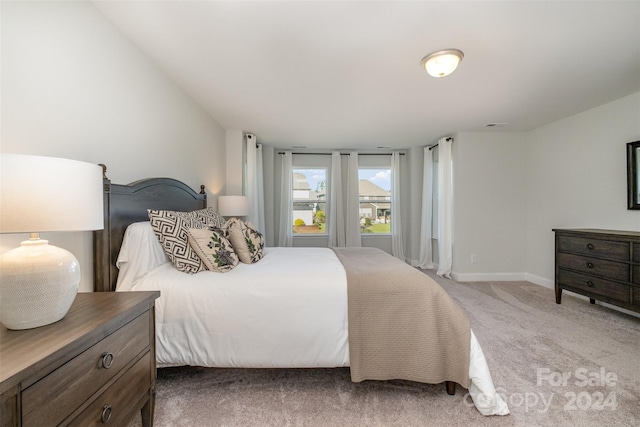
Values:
[(38, 281), (233, 205), (49, 194), (442, 63)]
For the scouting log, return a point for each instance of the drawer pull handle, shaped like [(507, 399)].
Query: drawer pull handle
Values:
[(106, 414), (590, 284), (589, 265), (590, 246), (107, 360)]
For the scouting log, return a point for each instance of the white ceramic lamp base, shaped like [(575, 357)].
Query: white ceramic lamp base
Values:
[(38, 284)]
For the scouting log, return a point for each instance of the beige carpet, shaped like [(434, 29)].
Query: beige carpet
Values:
[(530, 343)]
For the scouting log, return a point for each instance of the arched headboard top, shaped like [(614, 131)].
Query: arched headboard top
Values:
[(126, 204)]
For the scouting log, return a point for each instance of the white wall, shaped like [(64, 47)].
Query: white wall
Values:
[(235, 163), (73, 86), (576, 178), (511, 189), (489, 205)]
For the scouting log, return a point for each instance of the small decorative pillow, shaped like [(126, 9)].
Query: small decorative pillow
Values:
[(247, 242), (213, 248), (172, 228), (210, 217)]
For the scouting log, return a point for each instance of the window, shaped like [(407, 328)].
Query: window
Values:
[(375, 200), (309, 200)]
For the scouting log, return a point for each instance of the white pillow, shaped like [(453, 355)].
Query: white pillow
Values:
[(140, 253)]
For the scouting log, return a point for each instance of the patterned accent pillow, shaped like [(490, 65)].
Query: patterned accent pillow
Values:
[(172, 228), (247, 242), (210, 217), (213, 248)]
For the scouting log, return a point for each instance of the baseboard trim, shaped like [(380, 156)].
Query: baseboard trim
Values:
[(542, 281)]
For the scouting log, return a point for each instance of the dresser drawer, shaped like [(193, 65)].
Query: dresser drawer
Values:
[(611, 269), (636, 252), (636, 296), (594, 247), (52, 399), (594, 285), (115, 404)]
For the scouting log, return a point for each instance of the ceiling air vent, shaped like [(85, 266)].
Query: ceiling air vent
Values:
[(495, 125)]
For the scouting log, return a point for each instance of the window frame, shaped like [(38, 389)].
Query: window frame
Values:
[(368, 198), (307, 167)]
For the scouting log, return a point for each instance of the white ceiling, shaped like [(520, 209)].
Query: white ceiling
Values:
[(347, 74)]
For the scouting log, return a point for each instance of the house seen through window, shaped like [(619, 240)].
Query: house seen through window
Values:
[(310, 195), (375, 200), (309, 200)]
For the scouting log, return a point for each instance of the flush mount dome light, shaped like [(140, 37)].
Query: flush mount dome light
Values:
[(443, 62)]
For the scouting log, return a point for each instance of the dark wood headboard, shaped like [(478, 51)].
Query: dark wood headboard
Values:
[(126, 204)]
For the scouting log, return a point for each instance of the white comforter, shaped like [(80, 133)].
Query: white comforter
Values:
[(289, 310)]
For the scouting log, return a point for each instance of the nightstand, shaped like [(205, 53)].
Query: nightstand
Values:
[(96, 366)]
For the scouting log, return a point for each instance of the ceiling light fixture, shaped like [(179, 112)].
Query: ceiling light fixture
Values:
[(443, 62)]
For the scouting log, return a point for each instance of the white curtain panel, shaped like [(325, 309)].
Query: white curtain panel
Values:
[(425, 256), (336, 203), (397, 246), (285, 229), (445, 211), (352, 214), (255, 186)]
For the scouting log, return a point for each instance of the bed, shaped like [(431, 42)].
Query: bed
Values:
[(294, 308)]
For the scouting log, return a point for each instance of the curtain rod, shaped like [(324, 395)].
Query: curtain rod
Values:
[(434, 146), (342, 154)]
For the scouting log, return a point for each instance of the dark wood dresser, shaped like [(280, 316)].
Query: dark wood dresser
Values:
[(96, 366), (603, 265)]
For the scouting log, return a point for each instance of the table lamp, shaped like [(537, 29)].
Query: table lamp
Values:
[(234, 206), (38, 281)]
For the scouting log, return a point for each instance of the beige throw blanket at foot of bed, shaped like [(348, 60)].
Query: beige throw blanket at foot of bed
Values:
[(402, 324)]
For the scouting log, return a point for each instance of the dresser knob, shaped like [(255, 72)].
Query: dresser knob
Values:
[(106, 414), (589, 265), (107, 360), (590, 283), (590, 246)]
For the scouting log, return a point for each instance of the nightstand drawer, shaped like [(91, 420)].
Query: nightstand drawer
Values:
[(52, 399), (115, 404), (599, 267), (594, 247), (594, 285)]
